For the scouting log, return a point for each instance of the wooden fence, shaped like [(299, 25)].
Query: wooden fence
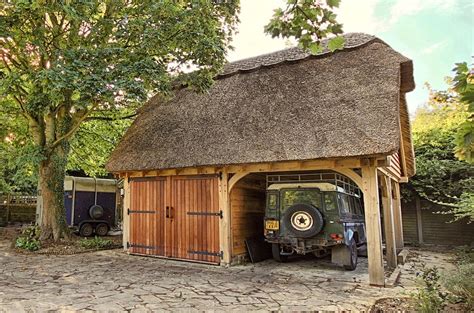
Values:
[(423, 224), (17, 208)]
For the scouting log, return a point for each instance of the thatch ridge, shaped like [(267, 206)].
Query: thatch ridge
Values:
[(340, 104)]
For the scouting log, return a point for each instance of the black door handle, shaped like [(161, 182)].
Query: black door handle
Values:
[(167, 212)]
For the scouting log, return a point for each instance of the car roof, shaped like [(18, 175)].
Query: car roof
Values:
[(320, 186)]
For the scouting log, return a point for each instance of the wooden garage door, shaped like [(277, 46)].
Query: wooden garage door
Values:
[(147, 208), (195, 218), (175, 217)]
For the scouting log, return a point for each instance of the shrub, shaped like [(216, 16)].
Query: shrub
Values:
[(460, 282), (96, 243), (429, 296), (29, 239)]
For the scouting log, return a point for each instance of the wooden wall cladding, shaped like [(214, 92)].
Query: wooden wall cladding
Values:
[(247, 200)]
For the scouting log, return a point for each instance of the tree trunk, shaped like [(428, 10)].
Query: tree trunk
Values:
[(51, 176)]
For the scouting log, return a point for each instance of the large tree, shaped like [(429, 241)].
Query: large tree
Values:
[(64, 64)]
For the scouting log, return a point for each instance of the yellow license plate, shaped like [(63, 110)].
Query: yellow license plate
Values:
[(273, 225)]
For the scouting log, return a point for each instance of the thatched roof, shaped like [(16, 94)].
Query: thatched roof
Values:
[(282, 106)]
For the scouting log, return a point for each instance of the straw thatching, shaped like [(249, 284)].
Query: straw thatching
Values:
[(283, 106)]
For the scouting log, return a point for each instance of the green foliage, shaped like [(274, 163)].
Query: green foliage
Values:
[(29, 239), (429, 296), (441, 177), (464, 255), (460, 281), (96, 243), (93, 143), (64, 63), (308, 21), (463, 85)]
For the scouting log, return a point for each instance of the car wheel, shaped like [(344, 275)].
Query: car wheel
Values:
[(86, 230), (303, 220), (353, 251), (277, 255), (102, 229)]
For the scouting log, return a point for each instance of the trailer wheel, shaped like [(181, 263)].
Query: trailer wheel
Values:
[(86, 230), (102, 229)]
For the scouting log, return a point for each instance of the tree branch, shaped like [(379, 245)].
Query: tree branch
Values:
[(74, 128), (107, 118)]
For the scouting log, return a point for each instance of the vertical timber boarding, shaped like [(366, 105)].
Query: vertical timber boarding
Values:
[(194, 217), (373, 227), (147, 224), (175, 217)]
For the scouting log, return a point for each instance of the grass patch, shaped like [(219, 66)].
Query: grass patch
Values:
[(96, 243)]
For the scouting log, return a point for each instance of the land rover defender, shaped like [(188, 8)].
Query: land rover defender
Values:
[(317, 213)]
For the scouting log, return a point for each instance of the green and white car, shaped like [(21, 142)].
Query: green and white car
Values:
[(318, 213)]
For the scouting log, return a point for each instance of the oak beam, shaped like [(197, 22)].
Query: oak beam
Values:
[(235, 178), (373, 225), (224, 223), (388, 222), (397, 216), (125, 216)]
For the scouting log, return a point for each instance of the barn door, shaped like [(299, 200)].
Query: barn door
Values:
[(193, 218), (147, 219)]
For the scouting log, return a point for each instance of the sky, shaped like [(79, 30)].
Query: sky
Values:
[(435, 34)]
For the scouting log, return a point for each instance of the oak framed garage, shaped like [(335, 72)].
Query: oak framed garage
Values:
[(193, 165)]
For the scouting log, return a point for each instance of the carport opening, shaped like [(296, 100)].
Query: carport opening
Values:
[(248, 202)]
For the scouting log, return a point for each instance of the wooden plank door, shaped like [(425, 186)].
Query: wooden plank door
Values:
[(194, 218), (147, 219)]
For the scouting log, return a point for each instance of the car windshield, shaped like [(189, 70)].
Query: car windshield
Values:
[(306, 196)]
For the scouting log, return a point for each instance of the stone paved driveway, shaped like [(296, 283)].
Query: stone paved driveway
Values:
[(115, 281)]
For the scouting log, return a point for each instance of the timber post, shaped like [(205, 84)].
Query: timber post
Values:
[(374, 231), (224, 222), (125, 216), (397, 216), (388, 221)]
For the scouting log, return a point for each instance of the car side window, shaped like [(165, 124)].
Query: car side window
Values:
[(343, 203), (272, 200), (358, 207), (330, 202)]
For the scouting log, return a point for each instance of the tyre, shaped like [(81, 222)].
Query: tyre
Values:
[(276, 253), (96, 211), (86, 230), (353, 257), (303, 220), (101, 229)]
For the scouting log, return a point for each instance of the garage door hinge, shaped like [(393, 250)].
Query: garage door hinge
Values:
[(218, 254)]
